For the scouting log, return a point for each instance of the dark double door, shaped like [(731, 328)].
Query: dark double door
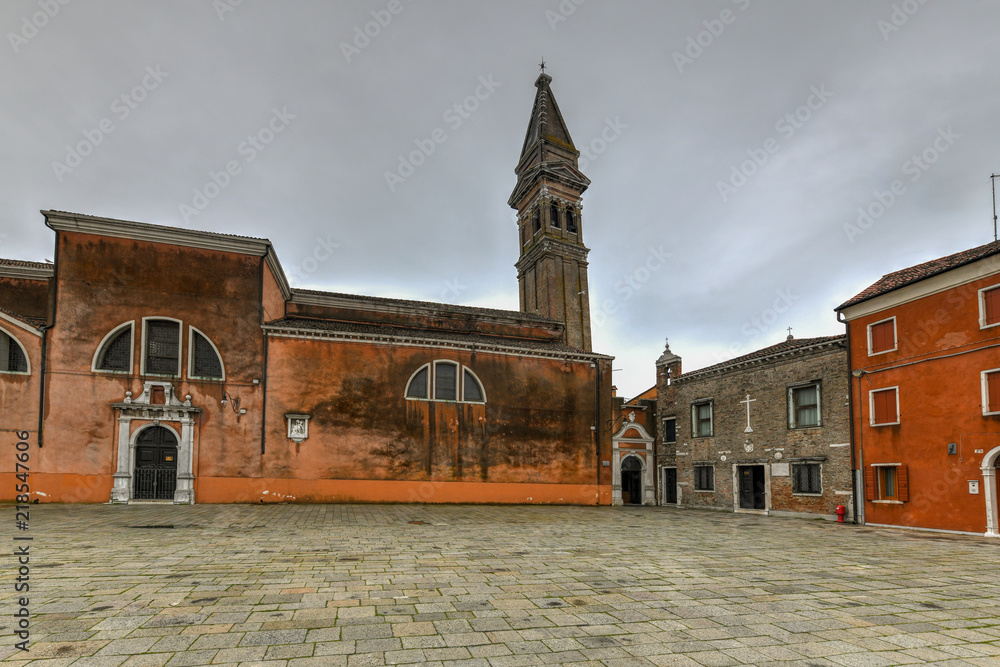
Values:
[(753, 495), (155, 476), (631, 481)]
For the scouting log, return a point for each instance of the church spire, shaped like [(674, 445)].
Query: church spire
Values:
[(552, 269)]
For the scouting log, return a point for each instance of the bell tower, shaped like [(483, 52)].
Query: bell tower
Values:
[(552, 267)]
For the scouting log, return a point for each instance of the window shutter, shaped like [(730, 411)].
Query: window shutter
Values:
[(870, 483), (885, 406), (883, 336), (902, 484), (991, 304), (993, 391)]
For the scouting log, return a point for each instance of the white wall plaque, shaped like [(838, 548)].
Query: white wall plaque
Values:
[(779, 470)]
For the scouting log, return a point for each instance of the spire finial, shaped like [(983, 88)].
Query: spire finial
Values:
[(541, 65), (790, 336)]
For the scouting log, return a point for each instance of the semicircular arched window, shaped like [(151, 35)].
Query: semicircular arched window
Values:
[(115, 352), (205, 364), (445, 380), (13, 358)]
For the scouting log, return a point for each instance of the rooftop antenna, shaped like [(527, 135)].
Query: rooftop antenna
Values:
[(993, 178)]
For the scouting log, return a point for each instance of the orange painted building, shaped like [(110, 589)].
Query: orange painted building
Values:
[(633, 455), (157, 363), (924, 346)]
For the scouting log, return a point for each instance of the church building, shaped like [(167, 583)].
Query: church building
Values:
[(157, 363)]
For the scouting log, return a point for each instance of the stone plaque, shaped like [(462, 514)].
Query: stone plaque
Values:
[(779, 470)]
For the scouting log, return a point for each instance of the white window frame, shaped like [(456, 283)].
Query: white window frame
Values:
[(791, 472), (871, 406), (27, 359), (711, 418), (458, 381), (986, 391), (895, 337), (792, 414), (427, 380), (180, 346), (982, 307), (463, 370), (101, 348), (190, 364)]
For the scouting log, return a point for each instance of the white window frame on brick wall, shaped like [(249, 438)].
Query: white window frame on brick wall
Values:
[(895, 337), (982, 307), (791, 472), (793, 413), (694, 417), (986, 391), (871, 406)]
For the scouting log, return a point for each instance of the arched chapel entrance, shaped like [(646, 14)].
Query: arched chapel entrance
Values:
[(155, 474)]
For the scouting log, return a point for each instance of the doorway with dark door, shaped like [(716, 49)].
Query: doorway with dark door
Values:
[(155, 476), (670, 486), (752, 487), (631, 481)]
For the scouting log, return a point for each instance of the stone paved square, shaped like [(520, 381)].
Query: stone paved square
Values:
[(497, 586)]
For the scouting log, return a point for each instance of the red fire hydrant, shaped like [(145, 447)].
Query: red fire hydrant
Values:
[(841, 511)]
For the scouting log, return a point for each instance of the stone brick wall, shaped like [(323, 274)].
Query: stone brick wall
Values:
[(773, 444)]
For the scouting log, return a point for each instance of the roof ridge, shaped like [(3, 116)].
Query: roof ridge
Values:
[(796, 344)]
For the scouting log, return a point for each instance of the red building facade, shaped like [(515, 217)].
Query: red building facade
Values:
[(156, 363), (924, 346)]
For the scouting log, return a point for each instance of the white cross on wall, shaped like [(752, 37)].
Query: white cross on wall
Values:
[(748, 401)]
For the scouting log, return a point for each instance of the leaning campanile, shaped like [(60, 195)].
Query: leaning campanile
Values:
[(552, 267)]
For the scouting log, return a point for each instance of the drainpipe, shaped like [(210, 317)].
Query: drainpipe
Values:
[(850, 408), (41, 385)]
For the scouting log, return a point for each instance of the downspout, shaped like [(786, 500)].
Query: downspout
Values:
[(41, 385), (850, 408), (263, 380), (597, 423)]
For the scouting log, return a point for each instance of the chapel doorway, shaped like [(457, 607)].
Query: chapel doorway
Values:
[(752, 487), (155, 475), (631, 481), (670, 486)]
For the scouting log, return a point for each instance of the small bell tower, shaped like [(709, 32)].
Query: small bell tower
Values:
[(552, 267)]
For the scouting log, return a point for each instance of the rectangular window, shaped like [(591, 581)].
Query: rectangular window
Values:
[(883, 406), (806, 478), (704, 478), (882, 336), (991, 392), (162, 347), (701, 419), (887, 483), (669, 430), (445, 381), (989, 306), (804, 406)]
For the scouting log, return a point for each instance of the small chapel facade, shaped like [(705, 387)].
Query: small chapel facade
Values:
[(152, 363), (765, 433)]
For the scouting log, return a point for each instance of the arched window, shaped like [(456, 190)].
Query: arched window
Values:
[(571, 222), (13, 358), (554, 216), (205, 362), (445, 380), (162, 347), (536, 220), (115, 351)]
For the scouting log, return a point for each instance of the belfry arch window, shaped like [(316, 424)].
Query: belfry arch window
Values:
[(536, 220), (114, 354), (571, 219), (554, 216), (13, 358), (445, 380), (204, 360)]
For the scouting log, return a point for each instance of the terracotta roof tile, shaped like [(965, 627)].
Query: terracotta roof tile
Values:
[(782, 348), (908, 276), (33, 321), (20, 263)]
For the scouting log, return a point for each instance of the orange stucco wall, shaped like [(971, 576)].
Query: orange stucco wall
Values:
[(939, 403)]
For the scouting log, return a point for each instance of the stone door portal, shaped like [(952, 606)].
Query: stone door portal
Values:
[(752, 488)]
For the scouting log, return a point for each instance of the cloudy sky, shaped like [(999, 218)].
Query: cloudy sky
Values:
[(754, 163)]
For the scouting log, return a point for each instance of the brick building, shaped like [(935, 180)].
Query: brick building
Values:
[(152, 362), (925, 357), (767, 432)]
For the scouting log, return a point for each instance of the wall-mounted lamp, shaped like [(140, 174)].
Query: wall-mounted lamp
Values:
[(234, 402)]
